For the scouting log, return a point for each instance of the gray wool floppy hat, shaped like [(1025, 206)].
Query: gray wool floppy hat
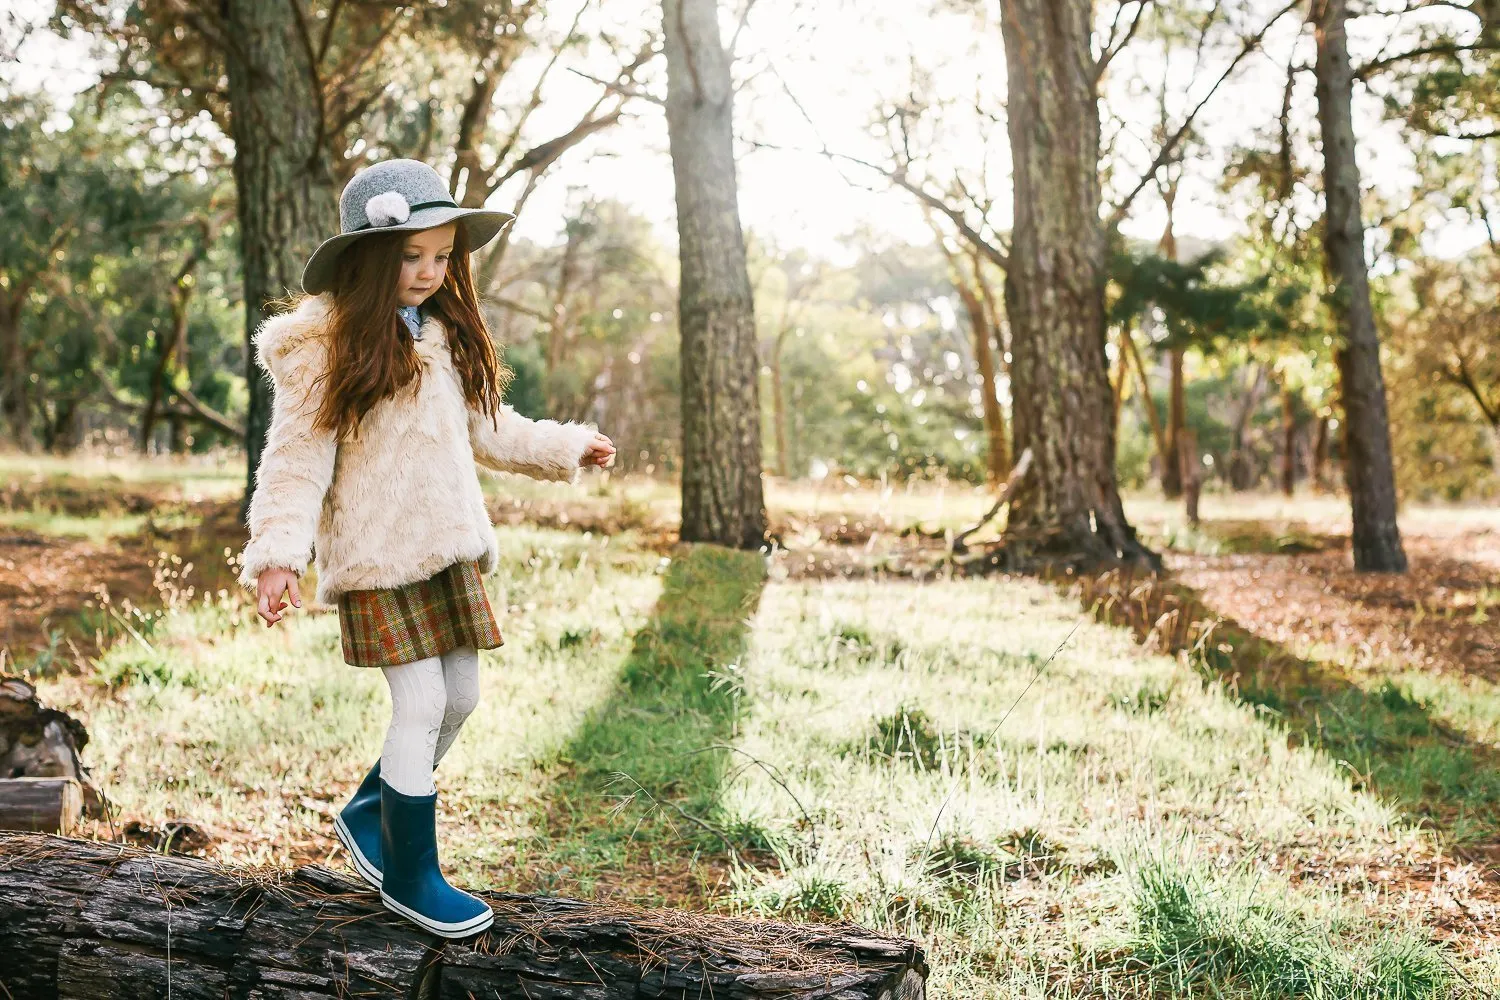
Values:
[(396, 196)]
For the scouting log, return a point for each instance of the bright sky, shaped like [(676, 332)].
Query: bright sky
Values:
[(842, 60)]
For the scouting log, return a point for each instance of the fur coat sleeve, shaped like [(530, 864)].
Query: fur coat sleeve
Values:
[(296, 467), (541, 449)]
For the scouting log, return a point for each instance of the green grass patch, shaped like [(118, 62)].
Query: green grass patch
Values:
[(1239, 937), (62, 525)]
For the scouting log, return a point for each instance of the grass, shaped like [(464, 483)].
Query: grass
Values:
[(1099, 823), (49, 522)]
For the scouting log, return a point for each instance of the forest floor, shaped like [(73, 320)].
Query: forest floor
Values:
[(1261, 775)]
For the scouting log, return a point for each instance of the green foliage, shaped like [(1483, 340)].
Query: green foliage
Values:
[(102, 235), (1198, 311)]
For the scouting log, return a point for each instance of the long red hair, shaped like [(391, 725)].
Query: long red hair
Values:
[(370, 352)]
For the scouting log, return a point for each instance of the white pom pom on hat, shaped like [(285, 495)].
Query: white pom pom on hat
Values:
[(388, 208)]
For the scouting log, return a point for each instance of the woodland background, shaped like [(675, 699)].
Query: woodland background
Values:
[(836, 277)]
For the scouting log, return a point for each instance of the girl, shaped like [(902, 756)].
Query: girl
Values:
[(387, 390)]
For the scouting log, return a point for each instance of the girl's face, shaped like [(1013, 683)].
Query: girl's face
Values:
[(424, 261)]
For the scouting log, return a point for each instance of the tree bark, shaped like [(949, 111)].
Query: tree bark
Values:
[(1117, 382), (284, 185), (13, 396), (1318, 472), (998, 448), (1068, 508), (1288, 440), (1158, 433), (1171, 469), (778, 402), (1241, 471), (1372, 482), (92, 921), (722, 496)]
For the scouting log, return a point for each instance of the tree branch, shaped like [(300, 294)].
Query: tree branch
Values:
[(899, 177), (1437, 49), (1169, 147), (1113, 48)]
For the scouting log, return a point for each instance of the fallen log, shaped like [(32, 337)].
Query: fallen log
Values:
[(41, 742), (84, 920), (45, 805)]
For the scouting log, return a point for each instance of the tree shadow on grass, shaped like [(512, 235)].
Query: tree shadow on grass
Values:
[(1391, 741), (648, 760)]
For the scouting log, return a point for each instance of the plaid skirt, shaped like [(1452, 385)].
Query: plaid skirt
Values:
[(388, 627)]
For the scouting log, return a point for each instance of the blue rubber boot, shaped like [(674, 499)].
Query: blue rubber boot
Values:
[(413, 885), (358, 827)]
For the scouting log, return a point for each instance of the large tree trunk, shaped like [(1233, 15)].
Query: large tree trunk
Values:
[(1069, 506), (1372, 482), (286, 194), (722, 498), (90, 921)]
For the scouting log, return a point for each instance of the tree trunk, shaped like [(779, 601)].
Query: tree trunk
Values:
[(63, 438), (1190, 472), (90, 921), (557, 330), (998, 450), (1241, 471), (722, 497), (1171, 469), (778, 403), (285, 188), (181, 369), (1319, 471), (1372, 482), (13, 374), (1158, 433), (1069, 507), (1288, 440), (1122, 372)]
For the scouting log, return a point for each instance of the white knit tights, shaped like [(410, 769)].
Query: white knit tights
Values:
[(430, 699)]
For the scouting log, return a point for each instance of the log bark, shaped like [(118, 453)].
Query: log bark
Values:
[(285, 187), (81, 919), (45, 805), (722, 495), (1368, 467), (1068, 509)]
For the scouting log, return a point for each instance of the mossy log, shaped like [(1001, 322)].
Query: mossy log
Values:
[(84, 920)]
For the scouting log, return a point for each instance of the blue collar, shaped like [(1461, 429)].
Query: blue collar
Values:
[(412, 317)]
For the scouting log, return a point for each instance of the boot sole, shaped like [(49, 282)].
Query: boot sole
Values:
[(462, 929), (362, 865)]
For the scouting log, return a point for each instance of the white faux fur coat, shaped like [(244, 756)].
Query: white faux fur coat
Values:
[(398, 499)]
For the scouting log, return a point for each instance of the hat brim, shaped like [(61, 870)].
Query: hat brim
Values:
[(480, 224)]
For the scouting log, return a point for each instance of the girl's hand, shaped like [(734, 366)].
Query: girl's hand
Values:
[(600, 452), (269, 587)]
